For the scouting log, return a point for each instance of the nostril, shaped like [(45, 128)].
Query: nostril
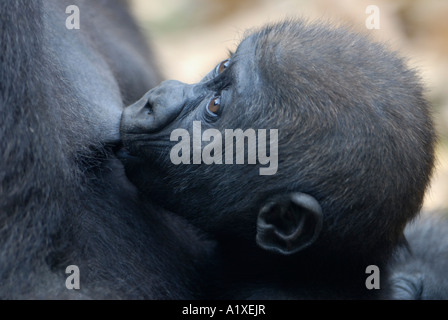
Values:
[(148, 107)]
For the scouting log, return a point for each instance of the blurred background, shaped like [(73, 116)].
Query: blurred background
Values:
[(190, 37)]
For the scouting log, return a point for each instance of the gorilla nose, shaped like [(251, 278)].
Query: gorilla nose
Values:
[(155, 110)]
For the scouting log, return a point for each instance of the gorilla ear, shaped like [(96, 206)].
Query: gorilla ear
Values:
[(289, 224)]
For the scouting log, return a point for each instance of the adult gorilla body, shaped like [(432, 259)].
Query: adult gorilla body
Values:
[(63, 196), (420, 270)]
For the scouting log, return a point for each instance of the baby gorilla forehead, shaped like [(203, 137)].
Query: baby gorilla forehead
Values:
[(276, 47), (311, 52), (244, 67), (302, 68)]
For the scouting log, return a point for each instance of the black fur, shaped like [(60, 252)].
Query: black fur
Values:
[(64, 198), (420, 270)]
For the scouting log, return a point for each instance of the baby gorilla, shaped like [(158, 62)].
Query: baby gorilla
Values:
[(354, 141)]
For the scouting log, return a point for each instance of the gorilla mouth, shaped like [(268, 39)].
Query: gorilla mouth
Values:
[(122, 153)]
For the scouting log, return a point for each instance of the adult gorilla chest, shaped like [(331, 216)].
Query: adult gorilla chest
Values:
[(64, 199), (103, 71)]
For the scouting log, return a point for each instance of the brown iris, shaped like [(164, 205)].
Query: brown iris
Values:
[(222, 66), (214, 105)]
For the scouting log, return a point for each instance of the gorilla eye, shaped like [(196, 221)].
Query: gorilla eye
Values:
[(222, 66), (214, 105)]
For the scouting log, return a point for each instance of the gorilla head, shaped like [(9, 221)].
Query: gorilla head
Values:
[(346, 120)]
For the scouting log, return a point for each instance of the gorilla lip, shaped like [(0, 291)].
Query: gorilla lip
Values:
[(122, 153)]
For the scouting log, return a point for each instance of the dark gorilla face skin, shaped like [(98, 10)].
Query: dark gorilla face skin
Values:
[(355, 144), (147, 125)]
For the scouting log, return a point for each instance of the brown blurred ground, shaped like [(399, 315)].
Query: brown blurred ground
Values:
[(192, 36)]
